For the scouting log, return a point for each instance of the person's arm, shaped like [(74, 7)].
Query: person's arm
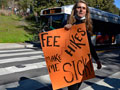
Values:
[(93, 53)]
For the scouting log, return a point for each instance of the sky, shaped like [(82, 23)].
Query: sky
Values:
[(117, 3)]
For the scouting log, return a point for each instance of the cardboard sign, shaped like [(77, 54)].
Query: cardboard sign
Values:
[(67, 56)]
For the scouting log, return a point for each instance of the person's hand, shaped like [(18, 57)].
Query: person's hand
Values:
[(99, 65), (68, 26)]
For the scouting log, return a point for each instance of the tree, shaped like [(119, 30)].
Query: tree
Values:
[(41, 4), (24, 4), (119, 12), (91, 3), (105, 5), (3, 3), (113, 9)]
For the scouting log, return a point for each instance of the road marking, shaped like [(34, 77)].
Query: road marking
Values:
[(14, 69), (19, 59), (21, 53), (17, 50), (44, 80), (107, 83)]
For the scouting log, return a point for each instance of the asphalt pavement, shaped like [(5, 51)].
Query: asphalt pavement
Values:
[(109, 59), (99, 48)]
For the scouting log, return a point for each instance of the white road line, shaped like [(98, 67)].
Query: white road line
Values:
[(104, 83), (17, 50), (44, 80), (14, 69), (22, 53), (10, 60)]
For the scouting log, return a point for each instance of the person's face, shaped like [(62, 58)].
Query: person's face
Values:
[(81, 10)]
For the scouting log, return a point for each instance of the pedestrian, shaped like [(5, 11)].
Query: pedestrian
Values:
[(81, 14), (15, 10)]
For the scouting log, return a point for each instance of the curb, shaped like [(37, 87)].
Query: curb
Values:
[(15, 45)]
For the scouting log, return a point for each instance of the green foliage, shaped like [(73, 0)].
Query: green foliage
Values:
[(67, 2), (12, 31), (91, 3), (42, 4), (105, 5), (3, 3), (24, 4)]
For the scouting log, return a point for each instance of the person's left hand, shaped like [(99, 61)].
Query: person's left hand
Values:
[(99, 65), (68, 26)]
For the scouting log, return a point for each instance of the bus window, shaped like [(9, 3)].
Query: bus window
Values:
[(54, 21)]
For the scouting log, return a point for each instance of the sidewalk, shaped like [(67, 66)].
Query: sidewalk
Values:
[(16, 45)]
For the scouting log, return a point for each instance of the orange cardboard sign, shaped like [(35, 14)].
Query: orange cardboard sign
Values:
[(67, 56)]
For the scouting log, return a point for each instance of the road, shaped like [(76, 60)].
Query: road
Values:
[(25, 69), (107, 78)]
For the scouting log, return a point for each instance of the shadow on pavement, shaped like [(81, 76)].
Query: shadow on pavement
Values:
[(110, 57), (113, 83), (30, 84)]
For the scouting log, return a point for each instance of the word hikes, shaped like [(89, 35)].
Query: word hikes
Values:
[(76, 42)]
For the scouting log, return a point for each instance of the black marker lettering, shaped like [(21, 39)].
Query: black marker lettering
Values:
[(43, 39), (81, 31), (53, 68), (48, 41), (78, 38), (75, 43), (85, 67), (70, 51), (55, 41), (68, 81), (75, 70), (79, 66)]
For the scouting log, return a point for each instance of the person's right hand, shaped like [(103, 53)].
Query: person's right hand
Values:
[(68, 26)]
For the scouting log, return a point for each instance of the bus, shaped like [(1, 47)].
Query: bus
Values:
[(105, 25)]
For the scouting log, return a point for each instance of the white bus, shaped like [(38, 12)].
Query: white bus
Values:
[(105, 25)]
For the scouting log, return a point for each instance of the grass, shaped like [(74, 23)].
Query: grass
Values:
[(11, 30)]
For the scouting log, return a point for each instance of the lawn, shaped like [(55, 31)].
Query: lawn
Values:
[(12, 30)]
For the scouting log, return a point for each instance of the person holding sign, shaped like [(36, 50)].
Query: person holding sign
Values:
[(81, 14)]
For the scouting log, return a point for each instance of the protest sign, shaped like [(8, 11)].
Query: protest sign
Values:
[(67, 55)]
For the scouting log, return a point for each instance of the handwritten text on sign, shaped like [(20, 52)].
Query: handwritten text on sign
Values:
[(67, 56)]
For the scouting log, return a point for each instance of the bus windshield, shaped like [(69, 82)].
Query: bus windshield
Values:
[(54, 21)]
